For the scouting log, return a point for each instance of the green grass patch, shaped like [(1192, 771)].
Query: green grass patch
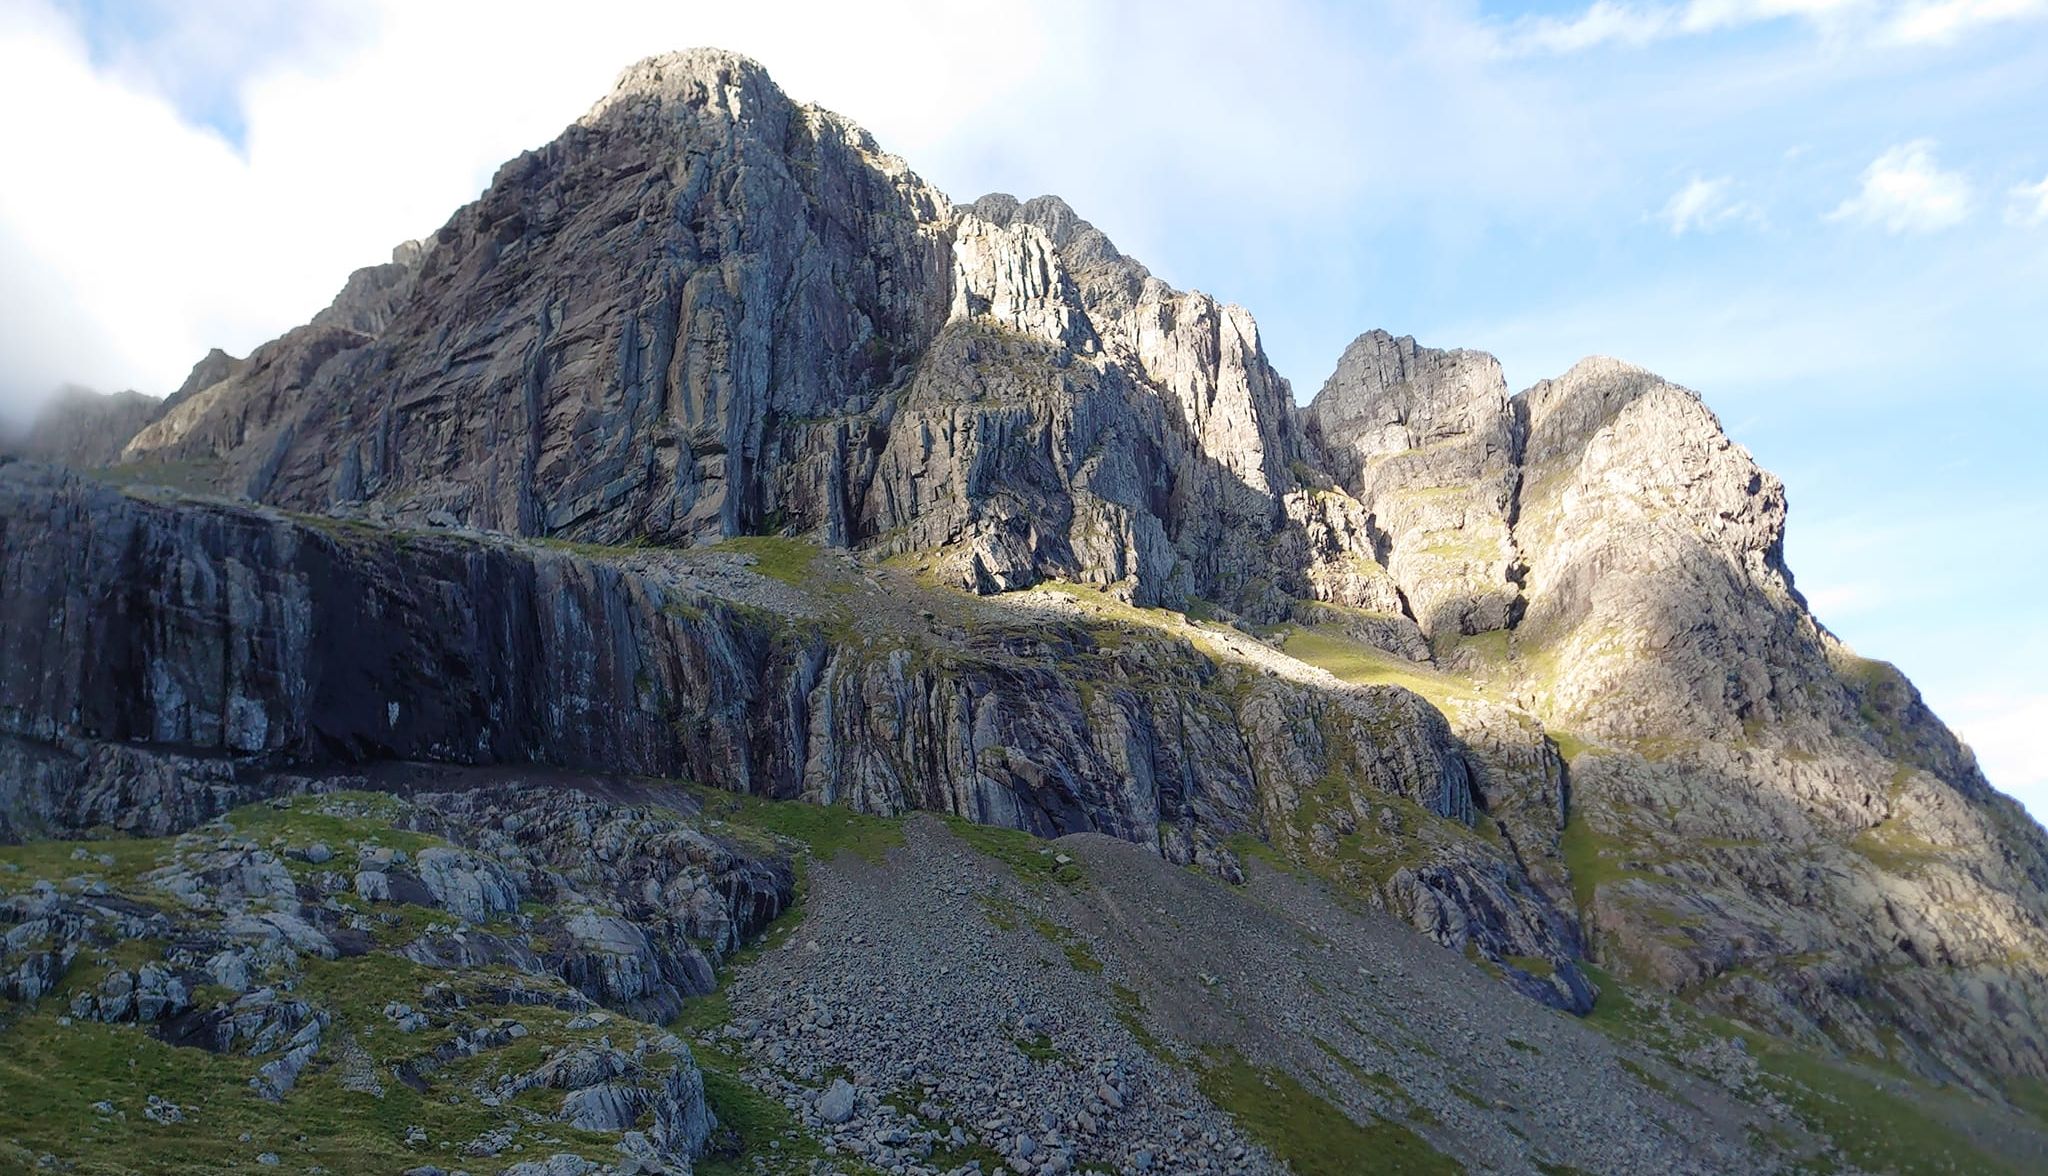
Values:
[(1642, 1074), (1472, 1096), (1359, 663), (1569, 746), (1001, 915), (1305, 1132), (1039, 1047), (777, 556), (1033, 861), (1594, 860), (1881, 1122), (1881, 1127), (1371, 1079), (51, 1076), (1129, 1010), (752, 1129), (21, 866), (826, 830), (340, 820), (1893, 848)]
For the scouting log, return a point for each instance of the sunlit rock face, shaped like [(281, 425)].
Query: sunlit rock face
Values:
[(707, 311), (1427, 441)]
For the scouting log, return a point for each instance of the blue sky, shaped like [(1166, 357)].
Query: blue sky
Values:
[(1829, 216)]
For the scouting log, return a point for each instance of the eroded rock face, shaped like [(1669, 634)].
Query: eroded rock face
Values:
[(1826, 846), (604, 344), (1427, 441), (250, 641), (707, 311)]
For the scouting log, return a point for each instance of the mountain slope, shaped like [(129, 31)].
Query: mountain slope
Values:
[(710, 442)]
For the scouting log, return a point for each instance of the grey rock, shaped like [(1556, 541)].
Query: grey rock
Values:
[(373, 886), (778, 327), (470, 888), (837, 1103)]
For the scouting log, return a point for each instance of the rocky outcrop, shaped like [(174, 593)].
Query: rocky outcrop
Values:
[(262, 952), (708, 311), (615, 339), (1636, 556), (1827, 849), (1426, 441)]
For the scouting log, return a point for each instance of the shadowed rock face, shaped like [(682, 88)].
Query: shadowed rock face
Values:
[(707, 311)]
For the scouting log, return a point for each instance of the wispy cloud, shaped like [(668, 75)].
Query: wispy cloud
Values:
[(1906, 191), (2005, 732), (1938, 22), (1705, 205), (1882, 22), (2027, 204)]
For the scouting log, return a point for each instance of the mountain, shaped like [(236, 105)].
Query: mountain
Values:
[(81, 427), (711, 444), (87, 429)]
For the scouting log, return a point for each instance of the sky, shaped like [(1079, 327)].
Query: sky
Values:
[(1830, 217)]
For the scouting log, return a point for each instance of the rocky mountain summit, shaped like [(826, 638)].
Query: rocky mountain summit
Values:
[(711, 444)]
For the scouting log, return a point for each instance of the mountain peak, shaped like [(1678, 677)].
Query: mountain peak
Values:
[(690, 74)]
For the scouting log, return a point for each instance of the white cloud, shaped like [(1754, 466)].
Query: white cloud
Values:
[(1938, 22), (1705, 205), (1880, 22), (1905, 191), (2027, 204)]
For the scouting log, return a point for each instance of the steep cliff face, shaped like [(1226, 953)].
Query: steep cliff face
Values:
[(707, 311), (606, 343), (1800, 841), (194, 649)]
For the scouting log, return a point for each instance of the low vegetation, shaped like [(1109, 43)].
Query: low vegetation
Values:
[(1312, 1137)]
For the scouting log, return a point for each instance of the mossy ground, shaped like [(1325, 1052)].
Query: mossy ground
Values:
[(1307, 1133), (1033, 861), (1359, 663), (825, 830)]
